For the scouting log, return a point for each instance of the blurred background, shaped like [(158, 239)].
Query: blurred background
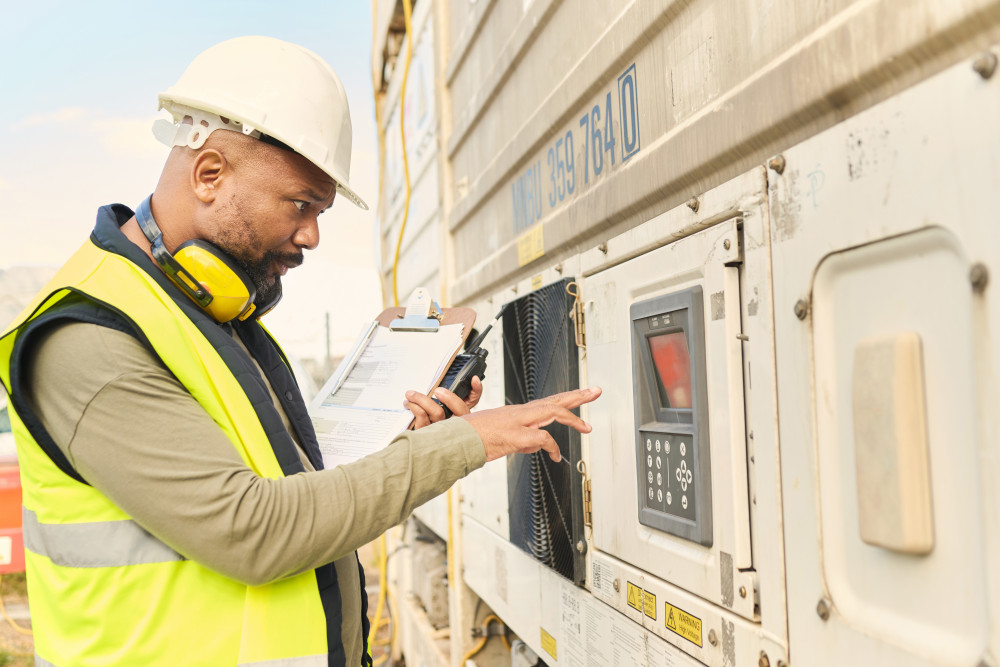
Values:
[(79, 84)]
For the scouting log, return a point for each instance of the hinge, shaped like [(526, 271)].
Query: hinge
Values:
[(573, 289), (588, 503)]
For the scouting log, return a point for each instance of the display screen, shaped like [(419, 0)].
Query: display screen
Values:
[(673, 369)]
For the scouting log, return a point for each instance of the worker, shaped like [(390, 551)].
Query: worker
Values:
[(176, 509)]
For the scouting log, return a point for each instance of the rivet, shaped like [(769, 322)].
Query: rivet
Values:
[(727, 244), (763, 661), (559, 268), (979, 276), (777, 163), (694, 204), (743, 591), (801, 309), (603, 248), (781, 663), (823, 608), (985, 65), (617, 585), (713, 638), (581, 546)]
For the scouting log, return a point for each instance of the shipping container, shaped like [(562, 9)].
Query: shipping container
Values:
[(765, 229)]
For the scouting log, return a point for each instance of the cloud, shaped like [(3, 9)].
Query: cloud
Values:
[(129, 137), (57, 117)]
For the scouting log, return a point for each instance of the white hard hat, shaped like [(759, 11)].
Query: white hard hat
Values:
[(268, 89)]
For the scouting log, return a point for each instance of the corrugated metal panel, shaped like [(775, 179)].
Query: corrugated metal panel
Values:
[(707, 90), (420, 255)]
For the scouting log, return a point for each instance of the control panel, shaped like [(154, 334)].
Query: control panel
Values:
[(671, 415)]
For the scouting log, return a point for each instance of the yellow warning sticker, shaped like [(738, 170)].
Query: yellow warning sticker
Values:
[(549, 643), (530, 246), (649, 604), (634, 596), (536, 282), (683, 623)]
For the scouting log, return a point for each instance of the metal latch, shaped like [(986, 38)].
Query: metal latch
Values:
[(588, 503), (573, 289)]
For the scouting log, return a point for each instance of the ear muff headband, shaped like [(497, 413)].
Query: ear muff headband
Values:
[(206, 274)]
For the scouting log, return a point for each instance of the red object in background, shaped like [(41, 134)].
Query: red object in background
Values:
[(11, 539), (673, 366)]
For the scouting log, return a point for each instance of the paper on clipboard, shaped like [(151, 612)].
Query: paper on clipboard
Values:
[(362, 413)]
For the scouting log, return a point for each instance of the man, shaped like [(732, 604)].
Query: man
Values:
[(175, 507)]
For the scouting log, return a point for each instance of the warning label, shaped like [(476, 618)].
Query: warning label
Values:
[(549, 643), (649, 604), (634, 597), (683, 623)]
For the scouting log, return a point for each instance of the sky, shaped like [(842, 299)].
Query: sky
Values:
[(78, 97)]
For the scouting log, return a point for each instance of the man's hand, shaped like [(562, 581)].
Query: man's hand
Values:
[(426, 411), (517, 429)]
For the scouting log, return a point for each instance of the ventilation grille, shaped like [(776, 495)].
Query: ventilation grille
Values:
[(545, 498)]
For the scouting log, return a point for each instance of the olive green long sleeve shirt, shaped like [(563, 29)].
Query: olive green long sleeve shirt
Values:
[(133, 431)]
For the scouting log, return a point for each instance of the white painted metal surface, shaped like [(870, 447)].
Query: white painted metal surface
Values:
[(684, 248), (697, 92), (878, 223)]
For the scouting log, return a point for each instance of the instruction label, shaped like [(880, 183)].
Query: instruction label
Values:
[(634, 597), (531, 245), (649, 604), (682, 623), (548, 643)]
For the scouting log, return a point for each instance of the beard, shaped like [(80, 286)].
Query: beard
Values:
[(259, 270)]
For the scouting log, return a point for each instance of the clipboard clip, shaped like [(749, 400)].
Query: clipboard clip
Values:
[(422, 313)]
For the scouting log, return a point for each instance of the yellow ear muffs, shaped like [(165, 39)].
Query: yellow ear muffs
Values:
[(231, 290), (202, 271)]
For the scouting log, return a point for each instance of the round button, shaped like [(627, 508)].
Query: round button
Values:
[(650, 493), (649, 476), (649, 444), (684, 502), (649, 461), (659, 479), (657, 446), (659, 463), (666, 446), (289, 395), (683, 450), (670, 498), (659, 495)]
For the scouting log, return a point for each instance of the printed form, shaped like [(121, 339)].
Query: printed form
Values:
[(359, 414)]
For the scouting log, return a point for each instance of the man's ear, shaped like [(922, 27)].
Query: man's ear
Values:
[(207, 171)]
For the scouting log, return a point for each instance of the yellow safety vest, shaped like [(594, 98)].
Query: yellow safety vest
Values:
[(102, 590)]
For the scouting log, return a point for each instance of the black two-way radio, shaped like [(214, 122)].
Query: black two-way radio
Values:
[(467, 365)]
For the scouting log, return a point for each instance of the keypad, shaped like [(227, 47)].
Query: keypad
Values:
[(669, 474)]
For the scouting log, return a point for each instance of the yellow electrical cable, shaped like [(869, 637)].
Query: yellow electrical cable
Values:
[(475, 649), (486, 636), (407, 16), (380, 550), (13, 623)]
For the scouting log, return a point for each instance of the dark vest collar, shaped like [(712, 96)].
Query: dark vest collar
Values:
[(108, 236)]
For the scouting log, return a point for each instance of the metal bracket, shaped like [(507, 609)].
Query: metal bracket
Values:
[(422, 313), (588, 503), (573, 289)]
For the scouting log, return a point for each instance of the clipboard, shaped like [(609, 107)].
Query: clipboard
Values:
[(343, 435), (421, 315)]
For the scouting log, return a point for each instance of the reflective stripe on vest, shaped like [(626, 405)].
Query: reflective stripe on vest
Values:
[(304, 661), (94, 544)]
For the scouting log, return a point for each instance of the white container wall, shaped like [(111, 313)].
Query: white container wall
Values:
[(778, 217)]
